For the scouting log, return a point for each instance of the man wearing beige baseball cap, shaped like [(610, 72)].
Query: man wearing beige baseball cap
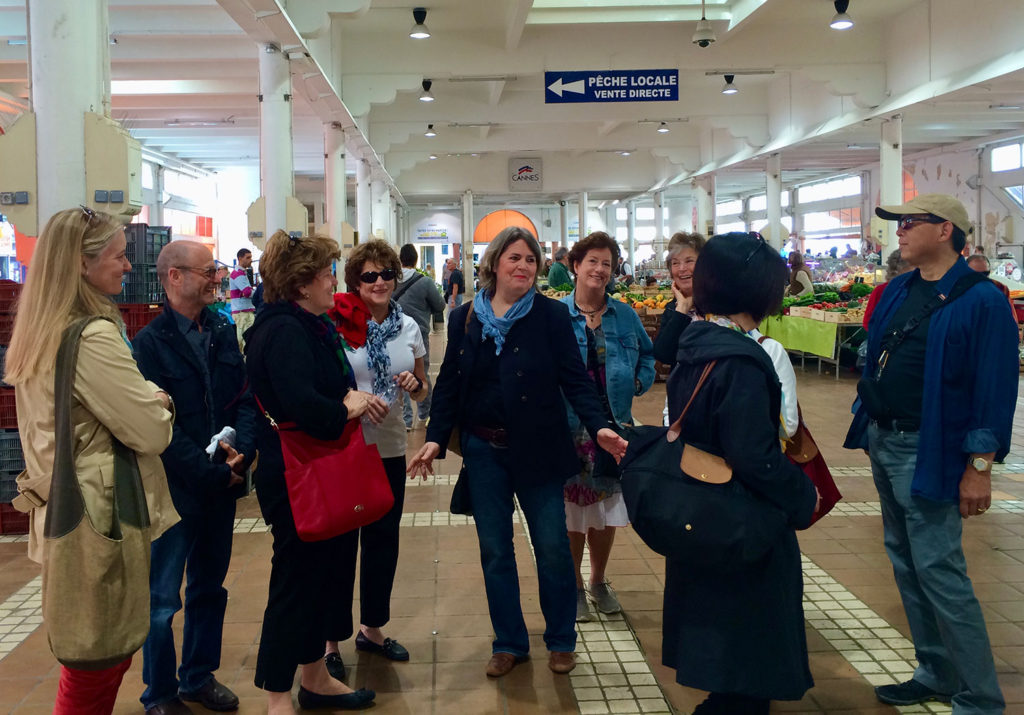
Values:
[(935, 409)]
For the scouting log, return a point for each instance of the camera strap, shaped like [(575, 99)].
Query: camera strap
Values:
[(895, 337)]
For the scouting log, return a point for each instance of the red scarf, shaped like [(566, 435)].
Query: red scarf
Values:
[(350, 316)]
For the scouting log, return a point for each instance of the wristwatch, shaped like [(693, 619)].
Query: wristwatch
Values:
[(981, 464)]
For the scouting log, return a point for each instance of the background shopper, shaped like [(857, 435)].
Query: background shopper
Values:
[(619, 358), (420, 300), (683, 250), (79, 261), (800, 279), (506, 367), (299, 373)]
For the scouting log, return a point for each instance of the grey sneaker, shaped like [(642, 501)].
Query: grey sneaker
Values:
[(604, 598), (583, 612)]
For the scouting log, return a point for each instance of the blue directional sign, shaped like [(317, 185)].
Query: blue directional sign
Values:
[(611, 86)]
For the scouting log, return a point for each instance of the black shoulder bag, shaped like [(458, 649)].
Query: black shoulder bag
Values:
[(404, 286), (868, 388)]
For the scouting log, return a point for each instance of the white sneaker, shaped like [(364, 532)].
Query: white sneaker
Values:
[(584, 614), (604, 598)]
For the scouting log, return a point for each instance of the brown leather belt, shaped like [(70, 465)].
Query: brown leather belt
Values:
[(496, 437)]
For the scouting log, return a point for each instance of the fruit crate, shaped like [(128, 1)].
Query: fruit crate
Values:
[(144, 242), (141, 286), (12, 521), (6, 328), (9, 485), (9, 294), (136, 316), (12, 459), (8, 410)]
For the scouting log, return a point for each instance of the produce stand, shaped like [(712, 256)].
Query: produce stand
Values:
[(811, 338)]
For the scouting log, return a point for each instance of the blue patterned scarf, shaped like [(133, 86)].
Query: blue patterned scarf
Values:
[(377, 338), (498, 328)]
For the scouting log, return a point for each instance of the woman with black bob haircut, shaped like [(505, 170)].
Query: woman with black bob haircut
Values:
[(749, 623)]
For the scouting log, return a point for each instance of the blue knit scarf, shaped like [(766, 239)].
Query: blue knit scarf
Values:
[(377, 338), (498, 328)]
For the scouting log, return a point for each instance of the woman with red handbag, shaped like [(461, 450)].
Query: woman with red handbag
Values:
[(300, 374), (387, 357)]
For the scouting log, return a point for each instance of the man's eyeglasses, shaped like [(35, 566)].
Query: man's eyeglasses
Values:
[(760, 244), (906, 223), (207, 273), (387, 274)]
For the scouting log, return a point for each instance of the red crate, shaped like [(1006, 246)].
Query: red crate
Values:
[(8, 411), (136, 316), (12, 521), (9, 294), (6, 328)]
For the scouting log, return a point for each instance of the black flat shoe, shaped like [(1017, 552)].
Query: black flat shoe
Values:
[(358, 700), (392, 650), (335, 666)]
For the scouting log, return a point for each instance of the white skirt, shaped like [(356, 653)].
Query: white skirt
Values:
[(610, 511)]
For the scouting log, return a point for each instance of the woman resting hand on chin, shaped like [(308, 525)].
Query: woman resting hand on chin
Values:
[(511, 356)]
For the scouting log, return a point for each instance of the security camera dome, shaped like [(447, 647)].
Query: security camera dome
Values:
[(705, 34)]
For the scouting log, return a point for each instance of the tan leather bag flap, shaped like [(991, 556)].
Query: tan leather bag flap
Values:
[(704, 466)]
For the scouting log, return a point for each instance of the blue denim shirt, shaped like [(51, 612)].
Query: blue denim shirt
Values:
[(629, 355), (970, 381)]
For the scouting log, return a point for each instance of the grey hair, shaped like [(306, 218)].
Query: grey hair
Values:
[(499, 244), (974, 258), (561, 253)]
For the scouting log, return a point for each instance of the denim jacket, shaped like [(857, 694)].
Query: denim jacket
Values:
[(629, 355), (970, 381)]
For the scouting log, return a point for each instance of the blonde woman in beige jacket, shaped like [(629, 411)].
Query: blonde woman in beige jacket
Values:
[(79, 262)]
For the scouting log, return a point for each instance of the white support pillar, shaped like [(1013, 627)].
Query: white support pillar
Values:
[(659, 228), (468, 227), (335, 191), (564, 213), (703, 188), (582, 232), (276, 168), (379, 210), (891, 175), (773, 195), (70, 64), (363, 200), (631, 234), (156, 214)]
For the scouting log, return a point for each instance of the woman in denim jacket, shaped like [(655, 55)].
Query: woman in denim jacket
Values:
[(620, 359)]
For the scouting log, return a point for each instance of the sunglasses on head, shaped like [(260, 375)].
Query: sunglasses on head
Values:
[(387, 274), (760, 244), (908, 222)]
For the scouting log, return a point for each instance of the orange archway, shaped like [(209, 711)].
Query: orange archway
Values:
[(493, 223)]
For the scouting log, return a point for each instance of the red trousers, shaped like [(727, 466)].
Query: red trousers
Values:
[(88, 692)]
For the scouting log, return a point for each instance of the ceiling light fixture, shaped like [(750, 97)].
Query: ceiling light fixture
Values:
[(663, 128), (419, 31), (430, 131), (729, 87), (433, 156), (1006, 107), (705, 33), (227, 121), (625, 153), (841, 21), (425, 95)]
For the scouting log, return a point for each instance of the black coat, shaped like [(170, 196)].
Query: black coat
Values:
[(739, 632), (298, 378), (165, 357), (539, 362), (670, 329)]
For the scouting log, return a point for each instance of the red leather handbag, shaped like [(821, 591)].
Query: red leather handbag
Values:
[(334, 486), (802, 451)]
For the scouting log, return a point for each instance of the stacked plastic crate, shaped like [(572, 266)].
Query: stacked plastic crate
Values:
[(142, 297), (12, 460)]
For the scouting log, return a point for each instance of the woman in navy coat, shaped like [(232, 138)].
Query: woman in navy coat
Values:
[(511, 356)]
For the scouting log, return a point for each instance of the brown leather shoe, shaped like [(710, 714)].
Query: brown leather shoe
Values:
[(501, 663), (561, 662)]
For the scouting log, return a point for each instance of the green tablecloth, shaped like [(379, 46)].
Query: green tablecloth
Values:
[(809, 336)]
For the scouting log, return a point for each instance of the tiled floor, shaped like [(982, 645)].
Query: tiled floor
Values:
[(856, 630)]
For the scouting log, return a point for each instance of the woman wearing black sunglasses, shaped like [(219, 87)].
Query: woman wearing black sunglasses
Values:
[(386, 353)]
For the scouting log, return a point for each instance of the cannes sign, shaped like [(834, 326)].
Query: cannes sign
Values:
[(525, 174)]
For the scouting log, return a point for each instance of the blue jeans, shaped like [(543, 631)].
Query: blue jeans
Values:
[(494, 478), (923, 540), (423, 409), (202, 545)]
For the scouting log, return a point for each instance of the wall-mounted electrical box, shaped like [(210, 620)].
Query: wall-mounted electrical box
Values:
[(295, 217), (18, 174), (113, 167)]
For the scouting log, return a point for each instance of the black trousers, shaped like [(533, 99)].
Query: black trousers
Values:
[(378, 559), (310, 583)]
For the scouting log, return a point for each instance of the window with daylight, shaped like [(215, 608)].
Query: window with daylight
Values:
[(1007, 157), (758, 203), (729, 208), (1016, 193), (834, 189), (837, 222), (730, 227), (645, 213)]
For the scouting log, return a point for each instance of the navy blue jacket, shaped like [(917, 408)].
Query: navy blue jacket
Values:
[(970, 380), (166, 358), (539, 362)]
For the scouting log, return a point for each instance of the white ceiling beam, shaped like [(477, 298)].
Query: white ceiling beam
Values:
[(516, 14)]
